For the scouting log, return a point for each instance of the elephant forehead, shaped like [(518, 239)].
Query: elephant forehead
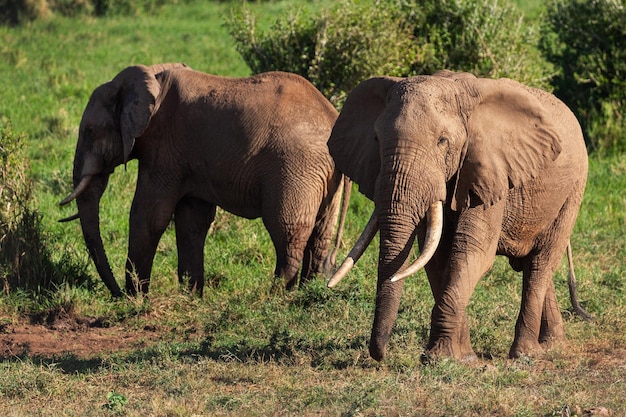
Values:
[(412, 117)]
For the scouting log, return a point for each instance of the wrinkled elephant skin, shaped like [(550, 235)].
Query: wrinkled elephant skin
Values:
[(254, 146), (509, 164)]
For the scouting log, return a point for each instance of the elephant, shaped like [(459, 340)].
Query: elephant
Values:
[(472, 168), (253, 146)]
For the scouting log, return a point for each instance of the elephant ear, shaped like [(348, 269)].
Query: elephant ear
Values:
[(138, 91), (510, 140), (353, 143)]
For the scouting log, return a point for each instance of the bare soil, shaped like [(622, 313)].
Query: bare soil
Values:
[(81, 337)]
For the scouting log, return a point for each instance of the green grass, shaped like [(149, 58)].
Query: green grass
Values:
[(248, 348)]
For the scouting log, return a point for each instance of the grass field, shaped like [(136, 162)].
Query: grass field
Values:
[(248, 348)]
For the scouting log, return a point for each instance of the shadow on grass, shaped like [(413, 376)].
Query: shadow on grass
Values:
[(281, 348)]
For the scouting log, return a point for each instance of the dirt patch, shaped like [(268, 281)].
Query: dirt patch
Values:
[(83, 337)]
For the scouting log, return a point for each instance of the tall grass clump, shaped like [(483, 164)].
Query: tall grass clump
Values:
[(585, 39), (25, 261), (338, 47)]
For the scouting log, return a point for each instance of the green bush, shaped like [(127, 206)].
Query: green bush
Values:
[(340, 47), (25, 261), (335, 49), (585, 39), (489, 38)]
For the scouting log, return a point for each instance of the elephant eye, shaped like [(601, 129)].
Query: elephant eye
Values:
[(442, 141)]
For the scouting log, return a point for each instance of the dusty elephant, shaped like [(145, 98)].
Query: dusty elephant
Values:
[(254, 146), (509, 165)]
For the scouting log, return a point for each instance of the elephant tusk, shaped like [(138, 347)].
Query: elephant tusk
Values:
[(434, 230), (359, 247), (84, 182), (70, 218)]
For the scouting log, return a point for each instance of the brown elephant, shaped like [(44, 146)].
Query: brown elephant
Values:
[(255, 147), (508, 163)]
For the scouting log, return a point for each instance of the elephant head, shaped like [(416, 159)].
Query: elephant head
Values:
[(414, 144), (117, 113)]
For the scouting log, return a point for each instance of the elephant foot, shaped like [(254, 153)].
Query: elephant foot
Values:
[(525, 348), (553, 343), (446, 348), (551, 332)]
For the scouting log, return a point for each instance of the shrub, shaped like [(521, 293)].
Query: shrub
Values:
[(340, 47), (25, 261), (335, 49), (585, 40), (489, 38)]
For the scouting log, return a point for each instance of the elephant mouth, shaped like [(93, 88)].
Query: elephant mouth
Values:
[(434, 230), (433, 236)]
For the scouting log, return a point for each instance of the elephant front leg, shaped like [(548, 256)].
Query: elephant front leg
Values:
[(148, 219), (192, 219), (471, 254)]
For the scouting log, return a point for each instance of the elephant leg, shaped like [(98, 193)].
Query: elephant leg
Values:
[(540, 319), (149, 216), (290, 233), (537, 303), (436, 271), (192, 217), (471, 254), (552, 329), (317, 247)]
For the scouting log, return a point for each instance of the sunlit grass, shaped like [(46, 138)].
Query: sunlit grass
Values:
[(248, 348)]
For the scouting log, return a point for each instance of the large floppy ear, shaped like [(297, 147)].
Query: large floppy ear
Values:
[(510, 139), (353, 143), (138, 89)]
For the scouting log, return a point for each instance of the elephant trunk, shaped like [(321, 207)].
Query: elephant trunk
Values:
[(403, 200), (396, 241), (89, 211)]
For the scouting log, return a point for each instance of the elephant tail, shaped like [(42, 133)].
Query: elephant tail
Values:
[(571, 282)]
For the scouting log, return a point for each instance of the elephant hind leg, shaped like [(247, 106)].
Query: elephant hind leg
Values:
[(552, 329), (192, 218), (316, 252), (289, 241), (540, 321), (539, 311)]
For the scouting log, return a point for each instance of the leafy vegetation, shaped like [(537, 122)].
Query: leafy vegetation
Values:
[(334, 49), (339, 47), (25, 260), (585, 39), (246, 349)]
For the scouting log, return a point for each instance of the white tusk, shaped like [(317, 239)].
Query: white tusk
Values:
[(84, 182), (359, 247), (434, 230)]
